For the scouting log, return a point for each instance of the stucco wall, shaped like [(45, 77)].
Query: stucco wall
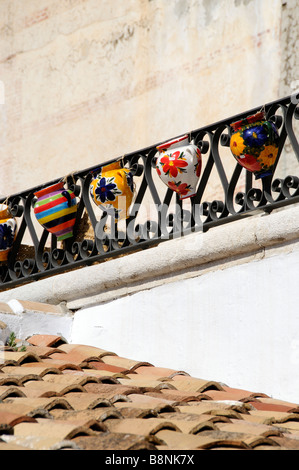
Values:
[(90, 80), (238, 325)]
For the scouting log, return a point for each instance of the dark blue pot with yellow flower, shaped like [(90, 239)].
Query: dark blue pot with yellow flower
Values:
[(8, 231), (254, 144)]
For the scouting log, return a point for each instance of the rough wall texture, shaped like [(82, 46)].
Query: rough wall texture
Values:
[(289, 82), (89, 80)]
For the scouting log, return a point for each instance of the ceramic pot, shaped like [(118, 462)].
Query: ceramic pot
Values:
[(254, 144), (8, 231), (112, 189), (178, 165), (55, 209)]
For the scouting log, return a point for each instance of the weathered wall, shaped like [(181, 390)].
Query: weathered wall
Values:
[(289, 82), (90, 80)]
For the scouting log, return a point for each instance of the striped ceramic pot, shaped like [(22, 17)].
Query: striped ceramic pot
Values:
[(8, 232), (55, 209)]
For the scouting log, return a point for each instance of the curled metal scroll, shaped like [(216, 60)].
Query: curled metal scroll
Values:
[(172, 217)]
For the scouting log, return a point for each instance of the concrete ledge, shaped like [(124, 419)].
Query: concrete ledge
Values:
[(187, 256)]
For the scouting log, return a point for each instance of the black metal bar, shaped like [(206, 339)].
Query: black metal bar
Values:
[(169, 216)]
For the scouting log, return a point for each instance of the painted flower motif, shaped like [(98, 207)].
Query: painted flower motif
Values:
[(174, 164), (182, 188), (6, 236), (237, 144), (106, 190), (250, 162), (268, 156), (255, 136)]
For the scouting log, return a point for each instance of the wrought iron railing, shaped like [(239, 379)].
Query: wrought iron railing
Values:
[(233, 192)]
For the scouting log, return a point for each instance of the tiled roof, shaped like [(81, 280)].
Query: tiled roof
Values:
[(56, 395)]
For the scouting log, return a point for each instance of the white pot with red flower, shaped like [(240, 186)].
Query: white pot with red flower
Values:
[(178, 164)]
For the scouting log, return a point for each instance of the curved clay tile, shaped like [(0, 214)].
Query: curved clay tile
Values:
[(46, 340), (38, 369), (83, 351), (10, 418), (10, 391)]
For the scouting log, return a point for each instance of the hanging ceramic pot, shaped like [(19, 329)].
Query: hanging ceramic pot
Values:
[(8, 231), (55, 209), (112, 189), (179, 165), (254, 144)]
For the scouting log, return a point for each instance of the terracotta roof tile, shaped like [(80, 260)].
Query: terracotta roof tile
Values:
[(58, 429), (117, 441), (61, 365), (157, 371), (83, 351), (56, 395), (45, 340), (143, 427), (106, 367), (287, 443), (100, 414), (179, 396), (128, 364), (43, 351), (256, 429), (24, 409), (156, 401), (84, 401), (234, 394), (259, 405), (11, 446), (174, 440), (18, 358), (40, 370), (45, 389), (181, 382), (8, 391), (41, 403), (270, 401), (12, 418)]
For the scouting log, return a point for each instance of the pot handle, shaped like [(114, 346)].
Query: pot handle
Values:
[(67, 195)]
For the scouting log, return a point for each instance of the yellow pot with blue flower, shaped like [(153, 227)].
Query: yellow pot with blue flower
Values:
[(112, 189), (254, 143), (8, 231)]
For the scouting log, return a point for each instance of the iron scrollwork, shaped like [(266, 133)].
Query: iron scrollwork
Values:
[(156, 214)]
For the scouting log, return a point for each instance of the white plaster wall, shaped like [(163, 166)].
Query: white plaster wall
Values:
[(27, 323), (90, 80), (239, 325)]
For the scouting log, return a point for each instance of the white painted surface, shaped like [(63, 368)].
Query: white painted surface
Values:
[(239, 326), (28, 323)]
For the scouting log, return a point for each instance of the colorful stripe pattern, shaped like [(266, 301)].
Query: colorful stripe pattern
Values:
[(56, 209)]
